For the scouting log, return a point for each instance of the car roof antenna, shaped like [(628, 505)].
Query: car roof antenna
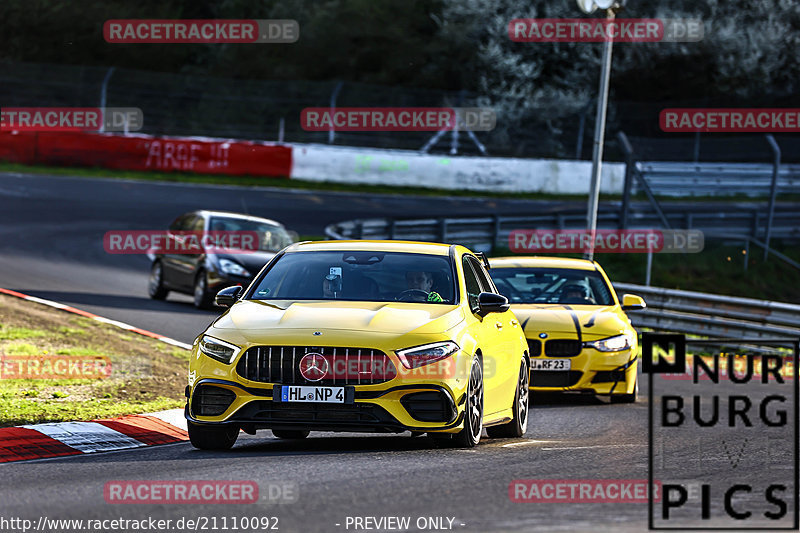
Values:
[(244, 206)]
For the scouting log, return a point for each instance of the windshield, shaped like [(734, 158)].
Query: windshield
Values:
[(271, 238), (552, 286), (358, 276)]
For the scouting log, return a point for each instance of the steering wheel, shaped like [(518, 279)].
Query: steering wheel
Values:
[(412, 292)]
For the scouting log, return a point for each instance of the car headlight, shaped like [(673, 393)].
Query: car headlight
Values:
[(426, 354), (231, 267), (222, 351), (616, 343)]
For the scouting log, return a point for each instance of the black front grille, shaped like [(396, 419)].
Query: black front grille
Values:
[(428, 406), (344, 366), (535, 347), (310, 413), (560, 378), (209, 400), (562, 348), (609, 376)]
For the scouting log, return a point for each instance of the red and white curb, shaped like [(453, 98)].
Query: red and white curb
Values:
[(40, 441), (104, 320), (58, 439)]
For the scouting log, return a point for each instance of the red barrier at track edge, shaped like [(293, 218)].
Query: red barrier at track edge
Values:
[(147, 153)]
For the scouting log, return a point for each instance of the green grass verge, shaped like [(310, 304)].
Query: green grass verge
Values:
[(24, 402), (146, 375)]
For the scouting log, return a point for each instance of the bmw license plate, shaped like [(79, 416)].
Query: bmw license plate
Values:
[(551, 364), (290, 393)]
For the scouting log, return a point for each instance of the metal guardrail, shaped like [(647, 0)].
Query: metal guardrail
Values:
[(713, 315), (677, 178), (485, 233)]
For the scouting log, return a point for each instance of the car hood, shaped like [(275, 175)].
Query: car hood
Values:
[(595, 322), (256, 316)]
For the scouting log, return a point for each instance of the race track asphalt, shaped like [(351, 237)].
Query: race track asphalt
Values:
[(51, 246)]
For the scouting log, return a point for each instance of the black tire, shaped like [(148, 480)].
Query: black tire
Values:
[(290, 433), (519, 424), (473, 410), (202, 299), (155, 285), (628, 398), (221, 437)]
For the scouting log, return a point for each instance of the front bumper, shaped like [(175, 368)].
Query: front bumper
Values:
[(590, 371), (395, 409)]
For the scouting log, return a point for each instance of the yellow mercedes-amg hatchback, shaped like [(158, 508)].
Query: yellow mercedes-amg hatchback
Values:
[(579, 337), (363, 336)]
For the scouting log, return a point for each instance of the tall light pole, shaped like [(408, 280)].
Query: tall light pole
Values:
[(588, 6)]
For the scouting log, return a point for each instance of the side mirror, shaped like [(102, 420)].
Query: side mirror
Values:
[(228, 296), (489, 302), (631, 302)]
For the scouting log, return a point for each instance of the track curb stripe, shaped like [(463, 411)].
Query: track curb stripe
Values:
[(42, 441), (99, 318), (21, 444)]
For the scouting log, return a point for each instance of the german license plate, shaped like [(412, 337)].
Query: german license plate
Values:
[(551, 364), (290, 393)]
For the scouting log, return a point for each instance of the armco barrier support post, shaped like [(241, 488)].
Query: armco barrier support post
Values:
[(334, 96), (103, 92), (773, 189), (495, 232), (630, 163)]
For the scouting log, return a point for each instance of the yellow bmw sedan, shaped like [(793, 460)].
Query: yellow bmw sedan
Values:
[(362, 336), (578, 334)]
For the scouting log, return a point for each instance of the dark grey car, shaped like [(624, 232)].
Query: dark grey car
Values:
[(203, 271)]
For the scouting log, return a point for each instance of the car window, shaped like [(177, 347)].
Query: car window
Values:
[(271, 237), (471, 283), (358, 276), (566, 286), (483, 278), (196, 223), (179, 223)]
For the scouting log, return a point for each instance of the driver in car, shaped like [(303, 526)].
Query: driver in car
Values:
[(420, 284), (575, 294)]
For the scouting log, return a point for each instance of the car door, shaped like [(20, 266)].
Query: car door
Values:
[(192, 261), (171, 261), (500, 376)]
